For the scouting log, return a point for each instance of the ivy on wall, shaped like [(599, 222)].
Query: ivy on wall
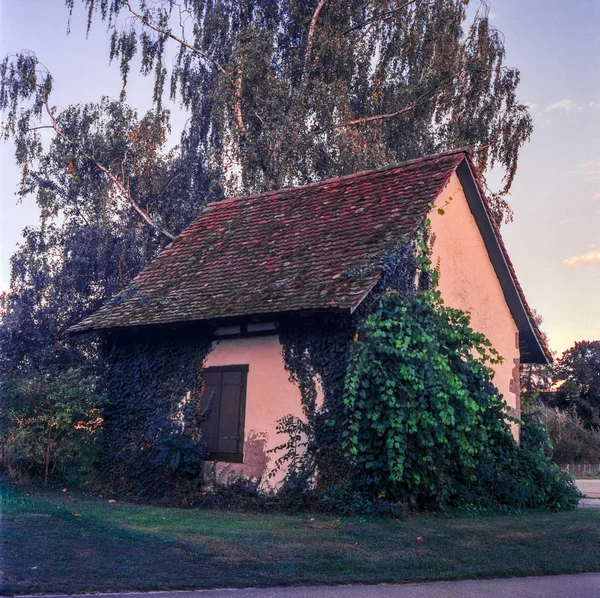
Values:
[(420, 404), (151, 432), (316, 352), (410, 414)]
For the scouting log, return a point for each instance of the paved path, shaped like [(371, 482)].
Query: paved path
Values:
[(585, 585), (589, 503), (590, 487)]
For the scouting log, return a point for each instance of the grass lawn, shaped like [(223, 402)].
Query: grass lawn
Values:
[(64, 542)]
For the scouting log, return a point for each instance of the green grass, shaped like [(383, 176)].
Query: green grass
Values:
[(64, 542)]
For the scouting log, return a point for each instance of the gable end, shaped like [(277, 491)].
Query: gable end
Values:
[(531, 348)]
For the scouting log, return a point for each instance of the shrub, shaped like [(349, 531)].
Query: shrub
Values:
[(50, 425), (571, 441), (424, 423)]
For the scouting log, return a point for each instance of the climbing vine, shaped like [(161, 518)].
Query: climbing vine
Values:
[(151, 432), (409, 411), (316, 352), (420, 403)]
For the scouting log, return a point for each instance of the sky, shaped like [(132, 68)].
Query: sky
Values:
[(554, 240)]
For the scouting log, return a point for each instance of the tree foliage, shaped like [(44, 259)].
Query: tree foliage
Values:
[(577, 377), (90, 242), (284, 92)]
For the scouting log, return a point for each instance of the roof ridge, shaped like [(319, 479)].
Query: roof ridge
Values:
[(466, 150)]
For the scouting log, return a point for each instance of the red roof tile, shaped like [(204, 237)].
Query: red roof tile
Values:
[(315, 247), (303, 248)]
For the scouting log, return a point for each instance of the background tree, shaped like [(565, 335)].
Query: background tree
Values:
[(572, 441), (578, 383), (49, 424), (285, 92), (109, 194)]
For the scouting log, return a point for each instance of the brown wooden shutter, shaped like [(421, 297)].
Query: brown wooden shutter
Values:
[(212, 398), (229, 416), (223, 431)]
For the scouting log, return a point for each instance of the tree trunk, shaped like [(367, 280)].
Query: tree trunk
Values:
[(47, 456)]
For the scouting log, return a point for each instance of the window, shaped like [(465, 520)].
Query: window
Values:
[(246, 329), (223, 431)]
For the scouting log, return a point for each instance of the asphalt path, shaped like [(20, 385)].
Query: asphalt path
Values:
[(590, 487), (585, 585)]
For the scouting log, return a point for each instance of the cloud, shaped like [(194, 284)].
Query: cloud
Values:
[(531, 105), (567, 221), (492, 16), (566, 105), (597, 195), (592, 167), (593, 257)]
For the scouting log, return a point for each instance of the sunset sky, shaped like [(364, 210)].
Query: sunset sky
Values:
[(554, 240)]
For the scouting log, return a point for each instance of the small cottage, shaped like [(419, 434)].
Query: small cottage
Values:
[(248, 263)]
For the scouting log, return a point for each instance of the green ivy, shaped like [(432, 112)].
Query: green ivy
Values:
[(420, 404), (152, 444), (410, 414), (424, 423)]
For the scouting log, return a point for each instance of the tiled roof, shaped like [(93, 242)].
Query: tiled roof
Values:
[(314, 247), (303, 248)]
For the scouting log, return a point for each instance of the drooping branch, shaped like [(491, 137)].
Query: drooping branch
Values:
[(171, 35), (236, 80), (311, 33), (120, 185), (384, 16), (369, 119)]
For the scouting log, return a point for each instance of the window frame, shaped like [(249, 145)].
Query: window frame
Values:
[(239, 456)]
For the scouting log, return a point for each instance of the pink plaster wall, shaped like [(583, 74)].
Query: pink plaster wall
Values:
[(269, 396), (468, 282)]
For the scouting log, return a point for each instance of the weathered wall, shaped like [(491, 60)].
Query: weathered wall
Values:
[(269, 396), (468, 282)]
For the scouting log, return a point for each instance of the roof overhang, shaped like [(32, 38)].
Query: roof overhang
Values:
[(532, 349), (209, 324)]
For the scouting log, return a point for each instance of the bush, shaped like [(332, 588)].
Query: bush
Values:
[(525, 478), (424, 424), (50, 425), (571, 441)]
